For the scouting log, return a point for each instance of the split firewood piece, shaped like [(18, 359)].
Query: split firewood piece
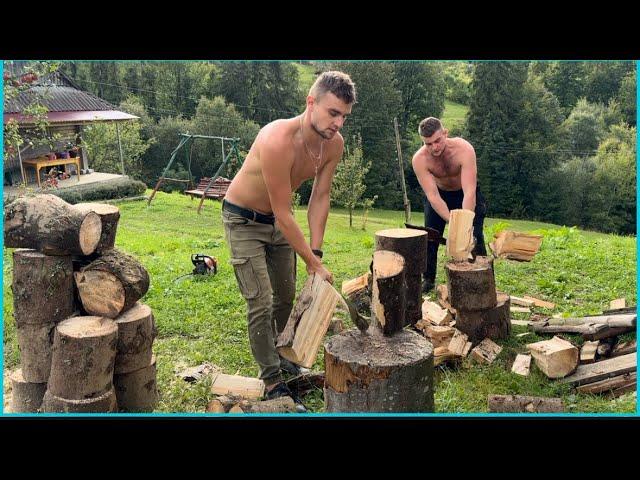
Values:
[(486, 351), (42, 287), (35, 344), (411, 244), (308, 322), (443, 355), (443, 298), (521, 365), (623, 348), (136, 332), (471, 285), (109, 216), (618, 384), (388, 301), (137, 391), (439, 336), (50, 225), (105, 403), (83, 356), (215, 406), (617, 303), (588, 352), (26, 397), (245, 387), (458, 343), (460, 241), (556, 358), (597, 371), (520, 310), (523, 302), (493, 322), (524, 404), (352, 287), (516, 245), (540, 303), (435, 314), (112, 284)]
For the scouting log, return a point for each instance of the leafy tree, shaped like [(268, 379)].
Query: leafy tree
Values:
[(348, 183), (627, 98), (603, 79), (583, 129)]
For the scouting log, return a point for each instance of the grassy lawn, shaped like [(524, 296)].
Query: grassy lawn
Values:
[(203, 319), (454, 114)]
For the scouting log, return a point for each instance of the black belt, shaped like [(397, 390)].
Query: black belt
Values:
[(248, 213)]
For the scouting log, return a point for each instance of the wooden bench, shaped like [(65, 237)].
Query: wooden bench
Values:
[(217, 191)]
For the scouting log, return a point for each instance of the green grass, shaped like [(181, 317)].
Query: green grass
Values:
[(203, 319), (454, 115), (306, 77)]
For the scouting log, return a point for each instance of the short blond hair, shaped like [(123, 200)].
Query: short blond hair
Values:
[(338, 83)]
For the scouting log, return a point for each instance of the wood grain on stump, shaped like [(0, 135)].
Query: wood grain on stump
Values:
[(412, 245), (378, 373), (105, 403), (109, 216), (136, 332), (388, 300), (26, 397), (471, 285), (491, 323), (34, 342), (84, 353), (137, 391), (112, 284), (42, 287), (50, 225)]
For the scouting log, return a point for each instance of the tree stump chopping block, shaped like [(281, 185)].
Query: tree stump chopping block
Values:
[(137, 391), (26, 397), (111, 284), (491, 323), (471, 285), (389, 292), (136, 332), (50, 225), (84, 353), (109, 216), (378, 373), (34, 342), (412, 245), (42, 287), (105, 403)]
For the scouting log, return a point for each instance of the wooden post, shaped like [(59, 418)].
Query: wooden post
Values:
[(120, 147)]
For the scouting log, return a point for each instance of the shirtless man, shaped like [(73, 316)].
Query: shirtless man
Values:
[(446, 169), (260, 229)]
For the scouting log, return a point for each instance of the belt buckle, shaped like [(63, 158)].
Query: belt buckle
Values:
[(255, 215)]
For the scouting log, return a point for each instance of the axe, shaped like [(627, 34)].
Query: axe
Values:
[(432, 234)]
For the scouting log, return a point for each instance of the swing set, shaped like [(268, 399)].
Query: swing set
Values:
[(208, 188)]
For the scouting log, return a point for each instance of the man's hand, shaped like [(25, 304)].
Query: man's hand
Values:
[(319, 269)]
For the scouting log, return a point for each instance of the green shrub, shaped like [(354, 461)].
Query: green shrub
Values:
[(107, 190)]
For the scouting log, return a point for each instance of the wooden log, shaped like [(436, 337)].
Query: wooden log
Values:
[(609, 384), (516, 245), (378, 373), (494, 322), (137, 391), (443, 298), (595, 372), (50, 225), (520, 310), (105, 403), (523, 302), (308, 322), (112, 284), (471, 285), (236, 385), (625, 320), (607, 332), (35, 344), (215, 406), (353, 286), (411, 244), (540, 303), (486, 351), (42, 287), (388, 303), (588, 352), (83, 356), (136, 332), (26, 397), (276, 405), (623, 348), (109, 217), (524, 404), (556, 358), (432, 312), (521, 365), (460, 241)]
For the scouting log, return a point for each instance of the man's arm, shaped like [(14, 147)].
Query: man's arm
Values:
[(428, 184), (469, 178)]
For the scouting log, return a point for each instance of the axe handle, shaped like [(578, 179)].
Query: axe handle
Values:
[(433, 235)]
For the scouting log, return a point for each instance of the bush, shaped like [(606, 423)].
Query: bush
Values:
[(107, 190)]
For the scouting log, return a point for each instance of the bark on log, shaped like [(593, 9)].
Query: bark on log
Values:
[(50, 225), (137, 391), (105, 403), (471, 285), (136, 332), (378, 373), (276, 405), (609, 384), (388, 303), (412, 245), (42, 287), (491, 323), (26, 397), (35, 343), (524, 404), (84, 353), (109, 217), (112, 284)]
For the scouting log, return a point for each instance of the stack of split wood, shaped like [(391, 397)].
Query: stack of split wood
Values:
[(516, 245), (85, 340)]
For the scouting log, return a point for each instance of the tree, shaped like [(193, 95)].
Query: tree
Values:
[(565, 80), (627, 98), (603, 79), (348, 183), (583, 129)]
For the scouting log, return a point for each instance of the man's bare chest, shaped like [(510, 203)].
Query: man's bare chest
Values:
[(441, 168)]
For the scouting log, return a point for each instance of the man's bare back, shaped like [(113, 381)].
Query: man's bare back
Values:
[(447, 167)]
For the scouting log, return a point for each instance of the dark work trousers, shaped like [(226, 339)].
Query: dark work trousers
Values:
[(453, 199)]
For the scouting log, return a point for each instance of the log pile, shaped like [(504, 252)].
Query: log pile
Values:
[(85, 339)]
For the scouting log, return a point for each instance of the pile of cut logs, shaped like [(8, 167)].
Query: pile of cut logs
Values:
[(85, 340)]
